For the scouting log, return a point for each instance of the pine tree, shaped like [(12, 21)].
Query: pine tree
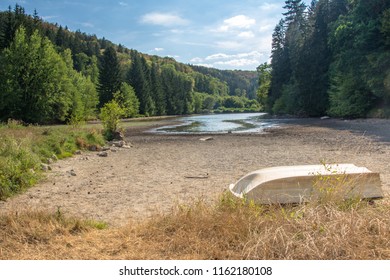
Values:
[(281, 70), (138, 77), (158, 94), (127, 100), (110, 77)]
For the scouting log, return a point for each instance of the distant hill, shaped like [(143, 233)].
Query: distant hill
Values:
[(162, 85)]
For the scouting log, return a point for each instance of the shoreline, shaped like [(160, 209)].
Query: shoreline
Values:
[(162, 171)]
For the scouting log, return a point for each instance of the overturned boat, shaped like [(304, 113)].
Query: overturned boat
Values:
[(302, 183)]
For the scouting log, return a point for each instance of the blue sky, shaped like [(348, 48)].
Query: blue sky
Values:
[(224, 34)]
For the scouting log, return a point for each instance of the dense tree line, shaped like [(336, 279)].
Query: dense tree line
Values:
[(50, 74), (238, 83), (331, 57)]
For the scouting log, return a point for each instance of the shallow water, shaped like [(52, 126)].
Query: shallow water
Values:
[(219, 123)]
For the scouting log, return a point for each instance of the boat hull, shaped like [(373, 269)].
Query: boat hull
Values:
[(298, 184)]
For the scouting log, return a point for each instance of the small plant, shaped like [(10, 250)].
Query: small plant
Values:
[(11, 123), (75, 121), (110, 115), (23, 149), (18, 166), (334, 186)]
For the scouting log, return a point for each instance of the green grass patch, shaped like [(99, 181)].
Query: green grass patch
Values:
[(23, 150)]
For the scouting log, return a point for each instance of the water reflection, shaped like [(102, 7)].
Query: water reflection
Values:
[(219, 123)]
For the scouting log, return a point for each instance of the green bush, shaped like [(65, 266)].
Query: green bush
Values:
[(110, 115), (19, 166), (24, 149)]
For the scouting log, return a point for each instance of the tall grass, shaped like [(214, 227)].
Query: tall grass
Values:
[(228, 229), (23, 149)]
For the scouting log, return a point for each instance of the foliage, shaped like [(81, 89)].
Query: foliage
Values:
[(264, 71), (24, 149), (18, 166), (53, 75), (35, 87), (110, 115), (40, 86), (331, 58), (139, 78), (109, 77), (127, 100)]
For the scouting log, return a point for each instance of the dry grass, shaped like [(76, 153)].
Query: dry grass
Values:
[(230, 229)]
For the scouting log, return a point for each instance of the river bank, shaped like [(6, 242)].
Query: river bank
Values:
[(161, 171)]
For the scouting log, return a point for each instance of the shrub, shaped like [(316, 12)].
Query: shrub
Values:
[(18, 166), (110, 115)]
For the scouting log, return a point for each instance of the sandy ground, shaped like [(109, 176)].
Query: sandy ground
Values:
[(161, 171)]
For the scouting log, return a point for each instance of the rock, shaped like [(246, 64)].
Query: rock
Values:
[(118, 135), (118, 144), (49, 161), (54, 157), (126, 146), (325, 118), (206, 139), (103, 154), (94, 148), (78, 152), (45, 167), (71, 172), (105, 148)]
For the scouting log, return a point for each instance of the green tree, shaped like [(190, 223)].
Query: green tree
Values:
[(109, 77), (385, 26), (139, 78), (264, 71), (127, 100), (198, 100), (281, 68), (360, 65), (157, 90), (35, 84), (208, 103), (110, 115)]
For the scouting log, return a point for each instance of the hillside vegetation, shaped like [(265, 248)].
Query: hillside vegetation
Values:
[(50, 74), (330, 57)]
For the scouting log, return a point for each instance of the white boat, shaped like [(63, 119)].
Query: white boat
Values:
[(297, 184)]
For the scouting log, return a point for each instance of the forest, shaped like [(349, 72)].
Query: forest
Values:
[(331, 57), (50, 74)]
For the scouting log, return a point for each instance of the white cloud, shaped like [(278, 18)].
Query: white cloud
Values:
[(217, 56), (163, 19), (246, 35), (196, 60), (238, 60), (123, 4), (158, 49), (173, 56), (205, 65), (237, 22)]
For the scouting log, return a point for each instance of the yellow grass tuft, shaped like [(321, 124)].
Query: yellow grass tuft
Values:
[(230, 229)]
